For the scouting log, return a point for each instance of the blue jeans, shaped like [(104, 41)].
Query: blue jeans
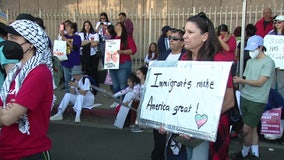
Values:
[(200, 152), (119, 76), (67, 77)]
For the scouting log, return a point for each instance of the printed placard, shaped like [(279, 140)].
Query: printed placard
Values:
[(184, 97), (275, 49), (271, 121), (111, 55)]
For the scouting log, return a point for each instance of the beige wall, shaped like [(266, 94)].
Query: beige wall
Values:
[(100, 5)]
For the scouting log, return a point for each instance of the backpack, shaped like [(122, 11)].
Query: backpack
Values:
[(93, 83)]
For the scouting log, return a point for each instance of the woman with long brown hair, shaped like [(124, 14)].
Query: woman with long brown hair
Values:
[(127, 49), (152, 54), (202, 44)]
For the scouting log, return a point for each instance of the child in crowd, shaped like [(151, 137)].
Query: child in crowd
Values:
[(152, 54), (131, 92), (141, 74)]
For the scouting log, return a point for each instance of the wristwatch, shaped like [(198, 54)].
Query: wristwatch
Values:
[(78, 88)]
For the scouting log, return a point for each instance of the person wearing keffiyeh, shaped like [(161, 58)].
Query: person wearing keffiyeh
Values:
[(27, 95)]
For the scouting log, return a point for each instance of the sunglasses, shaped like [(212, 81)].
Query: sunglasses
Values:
[(277, 22), (175, 38)]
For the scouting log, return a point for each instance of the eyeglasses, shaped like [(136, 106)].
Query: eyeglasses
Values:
[(175, 38), (277, 22)]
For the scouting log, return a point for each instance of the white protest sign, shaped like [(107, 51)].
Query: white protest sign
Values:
[(184, 97), (121, 117), (111, 58), (275, 49), (123, 111)]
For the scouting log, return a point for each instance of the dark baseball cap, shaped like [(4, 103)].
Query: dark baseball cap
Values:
[(26, 16), (2, 32), (165, 29), (8, 29)]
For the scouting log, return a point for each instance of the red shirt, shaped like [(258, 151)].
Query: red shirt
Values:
[(131, 45), (36, 94), (232, 43), (260, 30)]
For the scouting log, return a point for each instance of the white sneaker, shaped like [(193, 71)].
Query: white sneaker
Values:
[(56, 117), (113, 105), (77, 120)]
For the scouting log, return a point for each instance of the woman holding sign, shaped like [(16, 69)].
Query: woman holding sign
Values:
[(278, 29), (202, 44), (73, 51), (127, 49)]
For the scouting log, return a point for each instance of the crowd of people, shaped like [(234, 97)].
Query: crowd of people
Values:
[(26, 60)]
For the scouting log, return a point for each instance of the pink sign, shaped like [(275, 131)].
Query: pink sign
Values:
[(271, 121)]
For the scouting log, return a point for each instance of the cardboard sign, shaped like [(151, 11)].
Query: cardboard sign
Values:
[(121, 117), (184, 97), (111, 56), (123, 111), (275, 49), (271, 121)]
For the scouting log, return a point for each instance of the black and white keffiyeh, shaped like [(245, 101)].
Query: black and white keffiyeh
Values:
[(37, 36)]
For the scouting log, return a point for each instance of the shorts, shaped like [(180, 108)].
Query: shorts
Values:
[(251, 112)]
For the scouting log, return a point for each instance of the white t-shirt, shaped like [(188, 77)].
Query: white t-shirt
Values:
[(148, 59), (173, 57), (95, 36), (84, 86)]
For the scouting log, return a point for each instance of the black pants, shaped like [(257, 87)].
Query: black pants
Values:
[(90, 65), (158, 152)]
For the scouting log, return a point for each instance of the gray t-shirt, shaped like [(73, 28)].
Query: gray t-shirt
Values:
[(254, 69)]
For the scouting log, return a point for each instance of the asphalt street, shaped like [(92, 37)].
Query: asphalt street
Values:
[(96, 138)]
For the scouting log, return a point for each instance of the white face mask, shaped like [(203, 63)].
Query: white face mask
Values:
[(254, 54)]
